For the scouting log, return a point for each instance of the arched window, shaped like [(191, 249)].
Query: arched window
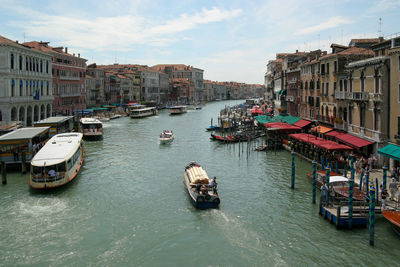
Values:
[(12, 61), (47, 67), (30, 64), (26, 88), (20, 62), (33, 64), (26, 63), (47, 87), (41, 88), (41, 66), (362, 81)]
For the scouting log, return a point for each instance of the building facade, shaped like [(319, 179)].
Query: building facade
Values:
[(69, 73), (25, 83)]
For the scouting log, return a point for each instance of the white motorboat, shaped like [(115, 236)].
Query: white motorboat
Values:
[(166, 137)]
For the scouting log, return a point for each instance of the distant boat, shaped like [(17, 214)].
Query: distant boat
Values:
[(141, 111), (58, 162), (91, 128), (166, 137), (175, 110), (197, 184)]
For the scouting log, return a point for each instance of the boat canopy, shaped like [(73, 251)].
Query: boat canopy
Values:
[(338, 179)]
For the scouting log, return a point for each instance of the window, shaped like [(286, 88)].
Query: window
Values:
[(20, 62), (377, 84), (12, 87), (335, 66), (327, 68), (12, 61), (41, 66), (327, 89), (26, 63), (362, 82), (47, 67), (30, 64), (21, 83), (398, 94), (334, 86), (398, 125)]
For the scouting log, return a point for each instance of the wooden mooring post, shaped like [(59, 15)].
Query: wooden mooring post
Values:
[(351, 187), (314, 181), (293, 170), (3, 172), (371, 213), (23, 162)]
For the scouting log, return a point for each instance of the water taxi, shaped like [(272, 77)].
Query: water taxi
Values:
[(91, 128), (58, 162), (202, 194), (394, 218), (166, 137), (177, 110), (141, 111)]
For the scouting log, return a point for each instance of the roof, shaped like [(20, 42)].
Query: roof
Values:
[(90, 121), (45, 47), (349, 139), (58, 119), (59, 148), (262, 119), (351, 51), (319, 142), (366, 40), (4, 40), (391, 151), (337, 179), (282, 126), (24, 133), (302, 123), (321, 129)]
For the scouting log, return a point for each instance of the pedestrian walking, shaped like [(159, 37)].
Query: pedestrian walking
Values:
[(392, 189)]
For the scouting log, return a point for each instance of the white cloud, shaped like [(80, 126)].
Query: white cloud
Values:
[(330, 23), (116, 33)]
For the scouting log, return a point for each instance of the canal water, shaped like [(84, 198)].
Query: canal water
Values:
[(129, 207)]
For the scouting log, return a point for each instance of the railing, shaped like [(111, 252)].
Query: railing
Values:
[(17, 99), (377, 97), (360, 96), (47, 178), (69, 78), (341, 126), (70, 94), (340, 94), (290, 98)]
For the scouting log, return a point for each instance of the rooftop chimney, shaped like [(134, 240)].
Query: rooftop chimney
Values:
[(66, 50), (79, 55), (297, 51)]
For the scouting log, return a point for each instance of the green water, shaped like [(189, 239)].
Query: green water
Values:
[(129, 207)]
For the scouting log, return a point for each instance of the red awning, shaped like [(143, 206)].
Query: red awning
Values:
[(281, 126), (349, 139), (302, 123), (319, 142)]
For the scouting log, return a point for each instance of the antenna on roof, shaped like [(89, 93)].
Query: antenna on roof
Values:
[(380, 28), (24, 37)]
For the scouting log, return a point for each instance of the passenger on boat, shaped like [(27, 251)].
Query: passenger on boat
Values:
[(198, 188), (213, 184), (331, 194), (52, 172)]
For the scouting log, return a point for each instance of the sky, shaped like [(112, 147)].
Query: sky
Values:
[(230, 40)]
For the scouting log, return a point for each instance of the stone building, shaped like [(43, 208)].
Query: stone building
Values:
[(69, 73), (179, 71), (25, 83), (94, 86)]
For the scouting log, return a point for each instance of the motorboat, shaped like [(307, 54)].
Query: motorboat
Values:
[(166, 137), (201, 193)]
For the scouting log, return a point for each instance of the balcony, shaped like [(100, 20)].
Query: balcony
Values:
[(70, 94), (70, 78), (376, 97), (290, 98), (340, 95), (359, 96), (340, 125), (25, 99)]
